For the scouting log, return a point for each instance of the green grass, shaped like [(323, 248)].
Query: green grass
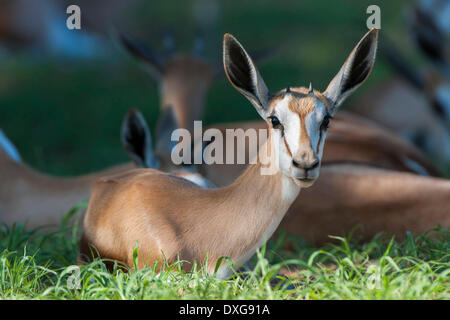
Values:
[(37, 265)]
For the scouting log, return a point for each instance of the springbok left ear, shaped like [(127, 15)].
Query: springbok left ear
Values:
[(355, 70), (137, 141)]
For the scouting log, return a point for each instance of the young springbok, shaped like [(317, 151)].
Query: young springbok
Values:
[(170, 218), (351, 141)]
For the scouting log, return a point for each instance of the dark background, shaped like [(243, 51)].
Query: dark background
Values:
[(64, 115)]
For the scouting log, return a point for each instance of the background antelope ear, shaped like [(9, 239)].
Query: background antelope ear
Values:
[(137, 141), (150, 60), (166, 124), (427, 35), (355, 70), (243, 75)]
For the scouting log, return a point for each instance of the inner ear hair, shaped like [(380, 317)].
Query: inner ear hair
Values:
[(136, 138)]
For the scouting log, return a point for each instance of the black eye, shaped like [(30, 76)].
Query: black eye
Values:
[(276, 124), (325, 122)]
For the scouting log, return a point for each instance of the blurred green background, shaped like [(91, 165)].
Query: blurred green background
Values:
[(64, 115)]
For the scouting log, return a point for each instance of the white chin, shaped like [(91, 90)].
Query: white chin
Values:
[(304, 183)]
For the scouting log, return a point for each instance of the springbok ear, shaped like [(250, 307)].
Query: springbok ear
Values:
[(166, 124), (137, 141), (243, 75), (150, 60), (259, 57), (355, 70)]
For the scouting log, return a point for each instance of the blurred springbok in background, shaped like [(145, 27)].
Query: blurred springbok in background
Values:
[(137, 141), (415, 104), (429, 23), (40, 200), (366, 168), (28, 196), (170, 218)]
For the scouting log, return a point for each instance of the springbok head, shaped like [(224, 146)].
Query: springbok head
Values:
[(299, 116), (183, 79)]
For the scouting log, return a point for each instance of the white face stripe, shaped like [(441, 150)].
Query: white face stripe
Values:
[(291, 123)]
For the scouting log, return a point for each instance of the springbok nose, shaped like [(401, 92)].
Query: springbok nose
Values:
[(306, 165)]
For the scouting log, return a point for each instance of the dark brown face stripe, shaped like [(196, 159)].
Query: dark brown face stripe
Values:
[(287, 147), (304, 136)]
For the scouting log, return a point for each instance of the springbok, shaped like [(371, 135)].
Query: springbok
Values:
[(351, 141), (348, 196), (27, 196), (357, 193), (170, 218)]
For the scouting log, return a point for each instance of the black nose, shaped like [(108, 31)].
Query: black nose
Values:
[(306, 166)]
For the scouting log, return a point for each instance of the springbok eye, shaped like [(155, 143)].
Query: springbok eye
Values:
[(276, 124), (325, 122)]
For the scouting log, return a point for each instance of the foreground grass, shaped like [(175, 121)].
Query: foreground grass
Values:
[(39, 265)]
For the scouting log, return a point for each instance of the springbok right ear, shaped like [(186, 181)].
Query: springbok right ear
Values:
[(150, 60), (137, 141), (243, 75), (355, 70)]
